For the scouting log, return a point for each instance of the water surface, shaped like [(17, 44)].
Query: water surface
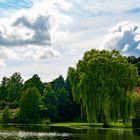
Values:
[(43, 132)]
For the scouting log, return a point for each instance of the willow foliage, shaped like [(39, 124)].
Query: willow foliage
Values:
[(101, 83)]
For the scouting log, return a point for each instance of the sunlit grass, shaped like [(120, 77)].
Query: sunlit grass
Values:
[(85, 125)]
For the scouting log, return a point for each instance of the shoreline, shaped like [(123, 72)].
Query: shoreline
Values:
[(74, 125), (85, 125)]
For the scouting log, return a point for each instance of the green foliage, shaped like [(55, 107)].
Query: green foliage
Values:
[(49, 95), (51, 112), (136, 106), (54, 102), (6, 115), (64, 105), (47, 121), (138, 66), (35, 81), (3, 89), (14, 86), (58, 83), (101, 83), (67, 108), (16, 116), (10, 91), (29, 106), (135, 61), (49, 101), (14, 104), (3, 104)]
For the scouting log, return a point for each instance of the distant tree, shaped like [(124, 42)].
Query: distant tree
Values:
[(58, 83), (49, 100), (67, 108), (35, 81), (3, 89), (64, 106), (134, 60), (29, 106), (101, 83), (74, 107), (14, 87)]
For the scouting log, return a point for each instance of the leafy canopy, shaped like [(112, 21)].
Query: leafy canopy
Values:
[(101, 83)]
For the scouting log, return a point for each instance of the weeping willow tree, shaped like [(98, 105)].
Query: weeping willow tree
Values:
[(102, 82)]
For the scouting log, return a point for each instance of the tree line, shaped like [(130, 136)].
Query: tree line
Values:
[(99, 89), (33, 101)]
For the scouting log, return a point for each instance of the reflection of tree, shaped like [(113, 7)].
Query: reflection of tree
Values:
[(107, 134), (75, 134)]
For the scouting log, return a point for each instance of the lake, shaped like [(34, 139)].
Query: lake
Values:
[(42, 132)]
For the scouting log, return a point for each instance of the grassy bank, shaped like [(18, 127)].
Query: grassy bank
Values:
[(88, 125)]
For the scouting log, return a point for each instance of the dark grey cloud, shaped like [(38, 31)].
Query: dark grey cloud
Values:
[(37, 32)]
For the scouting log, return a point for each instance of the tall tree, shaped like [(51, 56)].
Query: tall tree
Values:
[(35, 81), (49, 100), (58, 83), (3, 89), (29, 106), (14, 86), (73, 107), (101, 83), (67, 109)]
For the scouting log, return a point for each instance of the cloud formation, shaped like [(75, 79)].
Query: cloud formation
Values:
[(23, 32), (32, 34), (124, 37), (36, 53), (101, 7)]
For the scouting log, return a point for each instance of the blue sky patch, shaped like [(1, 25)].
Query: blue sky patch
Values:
[(134, 10), (15, 4)]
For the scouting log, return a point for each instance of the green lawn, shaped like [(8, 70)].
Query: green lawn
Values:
[(87, 125)]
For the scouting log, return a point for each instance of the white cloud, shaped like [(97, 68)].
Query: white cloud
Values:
[(106, 6), (27, 53), (123, 37), (33, 34), (64, 28)]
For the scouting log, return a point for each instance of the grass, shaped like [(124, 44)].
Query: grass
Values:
[(88, 125), (127, 125), (75, 125)]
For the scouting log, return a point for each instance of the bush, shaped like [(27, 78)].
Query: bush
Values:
[(14, 104), (47, 121), (6, 115), (136, 106), (16, 116), (3, 104)]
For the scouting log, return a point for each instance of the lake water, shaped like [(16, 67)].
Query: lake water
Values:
[(39, 132)]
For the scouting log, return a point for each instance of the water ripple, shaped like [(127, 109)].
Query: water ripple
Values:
[(24, 134)]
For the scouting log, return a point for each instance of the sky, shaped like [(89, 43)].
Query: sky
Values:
[(45, 37)]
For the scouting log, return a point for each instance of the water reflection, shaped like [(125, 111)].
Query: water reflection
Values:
[(40, 132), (30, 135), (136, 132)]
